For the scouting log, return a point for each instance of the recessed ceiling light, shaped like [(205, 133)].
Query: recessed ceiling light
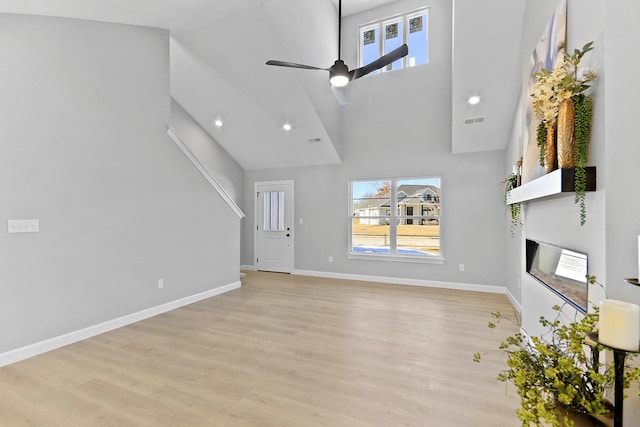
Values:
[(218, 123), (473, 100), (286, 126)]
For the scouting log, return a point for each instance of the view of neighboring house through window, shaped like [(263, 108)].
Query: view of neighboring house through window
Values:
[(395, 217), (381, 37)]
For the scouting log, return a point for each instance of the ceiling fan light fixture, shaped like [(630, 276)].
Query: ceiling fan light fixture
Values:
[(339, 74), (339, 80)]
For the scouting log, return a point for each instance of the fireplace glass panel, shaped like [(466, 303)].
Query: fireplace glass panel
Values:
[(562, 270)]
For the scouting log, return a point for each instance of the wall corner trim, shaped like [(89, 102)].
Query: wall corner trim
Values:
[(19, 354), (221, 191)]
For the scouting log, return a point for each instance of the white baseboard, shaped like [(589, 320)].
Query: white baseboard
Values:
[(410, 282), (513, 300), (35, 349)]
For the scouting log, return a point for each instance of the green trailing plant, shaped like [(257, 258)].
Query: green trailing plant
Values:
[(576, 85), (541, 139), (583, 114), (514, 209), (557, 373)]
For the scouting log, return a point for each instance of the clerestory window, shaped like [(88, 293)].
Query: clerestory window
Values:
[(381, 37)]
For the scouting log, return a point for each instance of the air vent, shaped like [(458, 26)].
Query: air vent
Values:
[(472, 120), (314, 140)]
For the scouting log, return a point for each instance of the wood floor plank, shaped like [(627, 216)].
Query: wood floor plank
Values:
[(285, 351)]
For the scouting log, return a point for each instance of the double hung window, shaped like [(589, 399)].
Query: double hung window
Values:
[(395, 218)]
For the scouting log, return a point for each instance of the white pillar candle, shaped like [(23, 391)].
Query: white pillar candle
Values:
[(619, 325)]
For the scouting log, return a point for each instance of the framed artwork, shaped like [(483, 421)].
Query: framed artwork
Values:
[(549, 50)]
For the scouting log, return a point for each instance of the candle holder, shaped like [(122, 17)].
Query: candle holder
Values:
[(619, 357)]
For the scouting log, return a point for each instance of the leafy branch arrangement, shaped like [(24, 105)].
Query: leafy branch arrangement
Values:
[(557, 373)]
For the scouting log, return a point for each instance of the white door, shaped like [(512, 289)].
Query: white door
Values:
[(274, 230)]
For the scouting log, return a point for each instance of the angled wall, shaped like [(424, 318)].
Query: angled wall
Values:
[(209, 153)]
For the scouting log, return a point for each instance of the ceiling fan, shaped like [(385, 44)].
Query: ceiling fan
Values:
[(339, 74)]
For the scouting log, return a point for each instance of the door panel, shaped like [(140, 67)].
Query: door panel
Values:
[(274, 234)]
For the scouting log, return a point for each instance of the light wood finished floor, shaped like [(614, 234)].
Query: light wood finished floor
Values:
[(281, 351)]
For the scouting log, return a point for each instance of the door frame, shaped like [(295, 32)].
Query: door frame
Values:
[(256, 216)]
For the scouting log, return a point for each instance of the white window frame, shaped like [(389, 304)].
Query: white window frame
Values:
[(380, 25), (394, 217)]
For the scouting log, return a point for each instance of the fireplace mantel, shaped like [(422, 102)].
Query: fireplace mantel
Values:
[(556, 182)]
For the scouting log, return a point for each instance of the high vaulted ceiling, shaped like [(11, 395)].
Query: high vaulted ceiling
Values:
[(172, 15), (218, 54)]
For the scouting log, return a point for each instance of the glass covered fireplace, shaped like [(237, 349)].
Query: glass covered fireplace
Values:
[(563, 271)]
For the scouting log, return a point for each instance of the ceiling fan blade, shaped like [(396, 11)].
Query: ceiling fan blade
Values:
[(294, 65), (383, 61), (340, 95)]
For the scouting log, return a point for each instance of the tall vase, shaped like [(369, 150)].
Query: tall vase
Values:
[(550, 157), (566, 141)]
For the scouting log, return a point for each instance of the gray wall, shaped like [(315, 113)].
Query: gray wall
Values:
[(83, 149), (611, 232), (622, 174), (556, 219), (399, 130), (622, 157)]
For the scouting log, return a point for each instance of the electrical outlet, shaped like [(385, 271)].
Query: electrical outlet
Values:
[(160, 283), (461, 267), (330, 259)]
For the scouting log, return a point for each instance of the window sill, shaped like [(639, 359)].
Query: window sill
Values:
[(397, 258)]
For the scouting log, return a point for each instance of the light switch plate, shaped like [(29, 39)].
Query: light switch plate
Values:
[(23, 226)]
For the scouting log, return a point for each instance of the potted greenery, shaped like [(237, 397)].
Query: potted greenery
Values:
[(559, 101), (557, 374), (515, 209)]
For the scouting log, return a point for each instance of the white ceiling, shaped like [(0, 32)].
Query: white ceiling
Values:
[(486, 63), (219, 48), (168, 14)]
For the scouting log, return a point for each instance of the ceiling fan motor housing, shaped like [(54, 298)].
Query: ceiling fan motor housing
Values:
[(339, 74)]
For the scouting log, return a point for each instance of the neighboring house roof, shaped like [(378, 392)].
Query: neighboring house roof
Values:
[(413, 201), (413, 196), (418, 190), (374, 203)]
